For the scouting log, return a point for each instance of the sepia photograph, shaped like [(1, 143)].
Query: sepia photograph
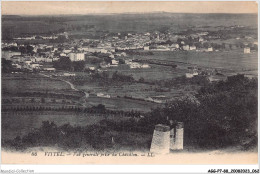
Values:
[(120, 82)]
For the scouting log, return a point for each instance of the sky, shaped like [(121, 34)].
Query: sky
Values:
[(92, 7)]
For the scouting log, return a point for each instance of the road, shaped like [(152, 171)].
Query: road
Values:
[(71, 85)]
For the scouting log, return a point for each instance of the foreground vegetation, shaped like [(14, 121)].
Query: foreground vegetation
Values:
[(223, 114)]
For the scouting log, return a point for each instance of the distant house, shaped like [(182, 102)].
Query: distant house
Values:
[(69, 74), (49, 69), (8, 54), (92, 68), (210, 49), (103, 51), (146, 48), (63, 54), (192, 47), (77, 56), (162, 48), (175, 46), (190, 75), (115, 62), (186, 47), (35, 66), (246, 50), (67, 51), (55, 59), (145, 66), (112, 56), (133, 65), (48, 60), (103, 95)]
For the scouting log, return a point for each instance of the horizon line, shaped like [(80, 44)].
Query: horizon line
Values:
[(74, 14)]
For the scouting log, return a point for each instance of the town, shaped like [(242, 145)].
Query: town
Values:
[(116, 49), (97, 82)]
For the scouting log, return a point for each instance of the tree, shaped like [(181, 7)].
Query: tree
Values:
[(29, 49), (7, 66), (121, 61), (108, 60), (78, 66), (42, 100), (141, 80), (122, 78), (64, 63)]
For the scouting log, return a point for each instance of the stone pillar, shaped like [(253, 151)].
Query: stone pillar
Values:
[(176, 136), (179, 136), (161, 139), (172, 138)]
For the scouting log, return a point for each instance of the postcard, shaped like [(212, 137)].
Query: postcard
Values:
[(119, 82)]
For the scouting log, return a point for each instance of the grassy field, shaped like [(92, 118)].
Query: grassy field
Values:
[(31, 83), (156, 72), (123, 104), (21, 123), (13, 83), (234, 60)]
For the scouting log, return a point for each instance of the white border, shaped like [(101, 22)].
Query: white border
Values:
[(129, 168)]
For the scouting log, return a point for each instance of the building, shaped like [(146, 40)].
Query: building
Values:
[(35, 65), (112, 56), (190, 75), (146, 48), (161, 139), (8, 54), (246, 50), (115, 62), (63, 54), (175, 46), (69, 74), (66, 51), (77, 57), (210, 49), (50, 69), (145, 66), (103, 50), (186, 47), (193, 47), (100, 94), (133, 65)]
